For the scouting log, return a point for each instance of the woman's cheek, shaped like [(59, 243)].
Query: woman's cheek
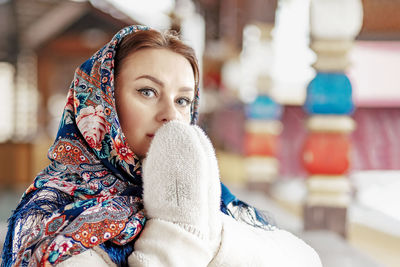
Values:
[(187, 117)]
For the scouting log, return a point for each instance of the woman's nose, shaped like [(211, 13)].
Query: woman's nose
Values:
[(168, 112)]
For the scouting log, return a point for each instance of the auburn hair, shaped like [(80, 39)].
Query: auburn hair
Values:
[(155, 39)]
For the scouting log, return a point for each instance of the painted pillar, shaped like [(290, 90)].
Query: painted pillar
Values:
[(326, 151), (263, 114), (262, 129)]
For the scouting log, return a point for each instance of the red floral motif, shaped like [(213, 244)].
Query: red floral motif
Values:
[(93, 125), (113, 191), (63, 247), (94, 186), (123, 151), (95, 233), (68, 153)]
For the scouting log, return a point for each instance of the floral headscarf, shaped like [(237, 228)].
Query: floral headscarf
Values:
[(91, 193)]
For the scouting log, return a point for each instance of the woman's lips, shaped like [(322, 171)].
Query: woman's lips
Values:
[(150, 135)]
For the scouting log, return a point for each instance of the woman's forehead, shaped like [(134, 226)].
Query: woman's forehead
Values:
[(158, 65)]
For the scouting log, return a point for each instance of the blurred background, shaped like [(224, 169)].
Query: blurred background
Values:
[(299, 97)]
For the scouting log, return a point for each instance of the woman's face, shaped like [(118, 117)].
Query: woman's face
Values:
[(154, 86)]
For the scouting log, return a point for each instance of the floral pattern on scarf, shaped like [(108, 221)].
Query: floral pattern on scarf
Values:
[(91, 193)]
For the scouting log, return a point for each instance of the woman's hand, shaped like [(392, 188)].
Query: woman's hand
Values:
[(181, 179), (181, 194)]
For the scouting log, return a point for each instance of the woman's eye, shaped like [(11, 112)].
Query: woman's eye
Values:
[(183, 102), (147, 92)]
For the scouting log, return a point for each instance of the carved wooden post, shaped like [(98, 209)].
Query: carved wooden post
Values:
[(263, 114), (326, 152)]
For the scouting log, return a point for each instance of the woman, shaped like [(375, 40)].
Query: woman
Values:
[(135, 103)]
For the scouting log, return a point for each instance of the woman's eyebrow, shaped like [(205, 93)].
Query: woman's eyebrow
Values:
[(186, 89), (160, 83), (151, 78)]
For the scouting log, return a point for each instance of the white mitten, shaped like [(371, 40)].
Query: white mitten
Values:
[(214, 188), (181, 194)]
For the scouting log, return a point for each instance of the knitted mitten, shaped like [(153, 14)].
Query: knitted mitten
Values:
[(214, 188), (181, 194)]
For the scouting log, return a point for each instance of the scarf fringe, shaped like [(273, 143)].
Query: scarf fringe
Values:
[(27, 208)]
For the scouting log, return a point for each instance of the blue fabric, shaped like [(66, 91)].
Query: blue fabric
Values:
[(226, 195), (230, 202), (118, 254)]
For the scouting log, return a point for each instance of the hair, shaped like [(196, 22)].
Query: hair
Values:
[(155, 39)]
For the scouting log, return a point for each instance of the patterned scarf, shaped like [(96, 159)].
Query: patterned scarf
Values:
[(91, 193)]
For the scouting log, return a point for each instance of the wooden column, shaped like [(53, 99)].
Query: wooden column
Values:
[(326, 151), (263, 114)]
